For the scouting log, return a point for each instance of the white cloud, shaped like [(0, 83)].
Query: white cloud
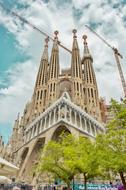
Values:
[(52, 16), (13, 98)]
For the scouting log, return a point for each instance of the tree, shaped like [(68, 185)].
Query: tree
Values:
[(82, 156), (57, 161), (112, 144), (68, 157), (87, 162)]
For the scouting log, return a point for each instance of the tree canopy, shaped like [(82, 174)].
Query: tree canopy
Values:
[(112, 144), (68, 157), (57, 161)]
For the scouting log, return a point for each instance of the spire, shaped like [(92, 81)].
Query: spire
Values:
[(45, 52), (18, 116), (76, 60), (42, 73), (75, 43), (87, 66), (16, 124), (1, 141), (55, 44), (54, 60), (86, 49), (90, 92), (41, 82)]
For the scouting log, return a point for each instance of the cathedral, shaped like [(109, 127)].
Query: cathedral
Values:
[(62, 101)]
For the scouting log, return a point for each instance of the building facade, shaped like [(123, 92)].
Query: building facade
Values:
[(64, 100)]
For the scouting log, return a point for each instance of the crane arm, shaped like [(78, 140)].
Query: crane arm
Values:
[(114, 49), (61, 45), (117, 55), (99, 36), (33, 26), (121, 73), (40, 31)]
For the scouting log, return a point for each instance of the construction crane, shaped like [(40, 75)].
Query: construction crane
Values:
[(117, 55), (33, 26)]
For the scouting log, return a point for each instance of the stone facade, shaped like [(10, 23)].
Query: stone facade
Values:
[(1, 146), (62, 101)]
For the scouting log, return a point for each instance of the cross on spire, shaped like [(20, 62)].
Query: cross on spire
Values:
[(85, 39), (74, 33), (86, 49), (46, 41), (56, 34)]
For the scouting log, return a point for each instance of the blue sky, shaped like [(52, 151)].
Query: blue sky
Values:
[(21, 47)]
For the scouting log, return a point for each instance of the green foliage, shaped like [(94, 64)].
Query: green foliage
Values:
[(87, 162), (57, 160), (69, 157), (112, 145), (119, 112)]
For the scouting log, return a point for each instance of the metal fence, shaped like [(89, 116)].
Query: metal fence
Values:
[(11, 186)]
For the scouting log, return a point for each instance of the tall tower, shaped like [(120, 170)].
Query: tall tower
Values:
[(14, 141), (62, 99), (90, 89), (38, 103), (1, 146), (76, 71), (53, 73)]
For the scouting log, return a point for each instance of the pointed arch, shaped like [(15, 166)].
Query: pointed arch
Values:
[(60, 130)]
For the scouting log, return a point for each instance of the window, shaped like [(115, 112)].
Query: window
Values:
[(38, 95), (41, 94), (92, 92), (77, 86)]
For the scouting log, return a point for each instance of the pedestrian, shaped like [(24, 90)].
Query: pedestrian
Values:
[(2, 186), (16, 188)]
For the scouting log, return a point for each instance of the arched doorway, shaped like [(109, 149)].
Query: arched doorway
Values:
[(28, 171), (23, 155), (62, 129)]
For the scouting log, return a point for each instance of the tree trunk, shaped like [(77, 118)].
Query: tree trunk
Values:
[(123, 179), (73, 183), (68, 186), (85, 182)]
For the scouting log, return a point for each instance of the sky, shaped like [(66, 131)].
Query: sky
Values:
[(21, 47)]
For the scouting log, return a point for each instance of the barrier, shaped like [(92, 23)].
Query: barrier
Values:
[(94, 187)]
